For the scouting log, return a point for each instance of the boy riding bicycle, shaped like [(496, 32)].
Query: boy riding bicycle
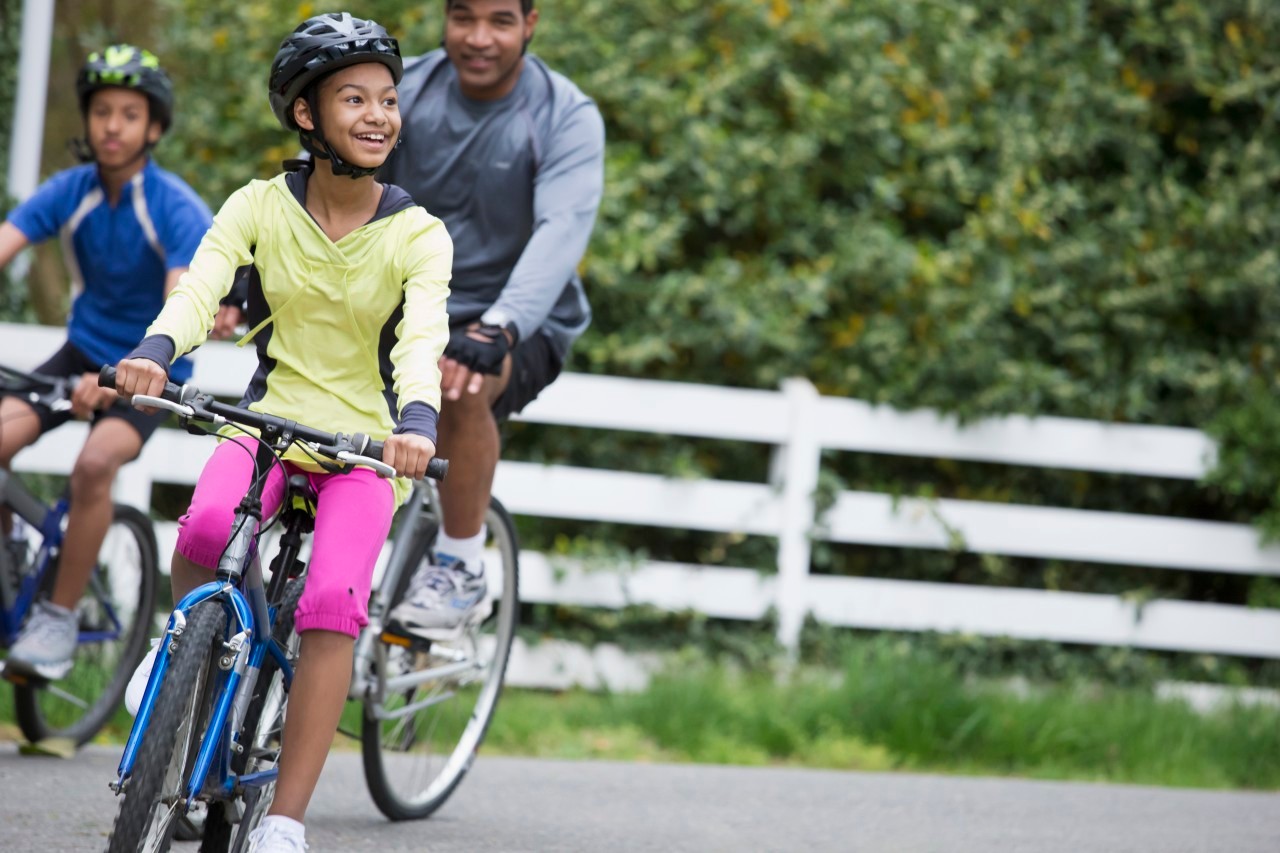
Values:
[(347, 311), (129, 228)]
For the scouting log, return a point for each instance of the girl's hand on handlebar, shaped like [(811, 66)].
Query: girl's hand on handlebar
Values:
[(140, 376), (408, 454)]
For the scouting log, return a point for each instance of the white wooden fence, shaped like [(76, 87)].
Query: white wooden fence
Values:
[(800, 424)]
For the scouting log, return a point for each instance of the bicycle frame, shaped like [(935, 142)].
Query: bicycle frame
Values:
[(372, 690), (31, 510), (16, 602), (415, 512), (249, 630), (48, 521)]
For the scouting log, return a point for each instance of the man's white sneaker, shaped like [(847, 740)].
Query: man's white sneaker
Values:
[(137, 687), (441, 602), (47, 644)]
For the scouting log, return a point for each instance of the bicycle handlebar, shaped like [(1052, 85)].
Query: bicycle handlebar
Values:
[(52, 391), (190, 402)]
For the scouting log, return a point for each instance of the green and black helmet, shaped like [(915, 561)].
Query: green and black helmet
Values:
[(127, 67)]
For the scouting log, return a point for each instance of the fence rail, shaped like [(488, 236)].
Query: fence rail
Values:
[(800, 424)]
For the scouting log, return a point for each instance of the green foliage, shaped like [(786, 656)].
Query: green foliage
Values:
[(10, 29), (982, 207), (1046, 208)]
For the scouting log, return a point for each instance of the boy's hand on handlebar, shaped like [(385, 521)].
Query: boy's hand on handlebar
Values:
[(140, 376), (408, 454), (88, 397)]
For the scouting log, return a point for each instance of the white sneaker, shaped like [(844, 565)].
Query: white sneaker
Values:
[(442, 601), (271, 837), (47, 644), (137, 687)]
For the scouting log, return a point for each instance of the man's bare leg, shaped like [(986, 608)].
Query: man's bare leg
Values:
[(469, 439)]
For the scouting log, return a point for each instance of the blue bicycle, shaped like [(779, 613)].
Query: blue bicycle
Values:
[(116, 611), (209, 726)]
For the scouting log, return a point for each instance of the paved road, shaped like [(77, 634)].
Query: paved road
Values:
[(509, 804)]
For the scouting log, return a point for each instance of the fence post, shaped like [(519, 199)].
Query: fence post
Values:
[(799, 468)]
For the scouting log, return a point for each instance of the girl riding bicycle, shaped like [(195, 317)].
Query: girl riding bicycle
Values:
[(347, 310)]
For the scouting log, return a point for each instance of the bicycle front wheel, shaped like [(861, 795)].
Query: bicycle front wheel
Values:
[(262, 735), (117, 615), (419, 740), (154, 795)]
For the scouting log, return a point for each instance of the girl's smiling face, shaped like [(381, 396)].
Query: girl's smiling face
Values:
[(359, 113)]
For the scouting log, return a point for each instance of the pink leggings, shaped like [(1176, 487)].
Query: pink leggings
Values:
[(353, 516)]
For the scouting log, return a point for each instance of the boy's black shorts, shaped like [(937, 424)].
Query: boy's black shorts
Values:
[(69, 361)]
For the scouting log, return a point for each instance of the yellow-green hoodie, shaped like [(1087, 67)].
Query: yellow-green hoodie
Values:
[(349, 332)]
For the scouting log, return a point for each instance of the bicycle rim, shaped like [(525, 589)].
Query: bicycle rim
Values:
[(154, 796), (116, 616), (418, 743)]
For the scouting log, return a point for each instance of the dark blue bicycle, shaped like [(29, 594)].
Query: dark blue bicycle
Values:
[(209, 725), (115, 613)]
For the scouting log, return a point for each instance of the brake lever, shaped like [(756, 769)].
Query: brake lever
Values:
[(381, 468), (185, 411), (140, 400)]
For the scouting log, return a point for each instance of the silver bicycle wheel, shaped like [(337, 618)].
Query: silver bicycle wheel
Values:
[(436, 701)]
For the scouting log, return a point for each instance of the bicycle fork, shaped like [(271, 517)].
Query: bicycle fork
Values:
[(238, 666)]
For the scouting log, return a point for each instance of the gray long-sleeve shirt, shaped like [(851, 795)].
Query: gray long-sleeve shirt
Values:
[(517, 182)]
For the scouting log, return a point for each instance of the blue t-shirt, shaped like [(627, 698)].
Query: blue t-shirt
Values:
[(118, 256)]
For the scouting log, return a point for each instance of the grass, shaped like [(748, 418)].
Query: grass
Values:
[(888, 707)]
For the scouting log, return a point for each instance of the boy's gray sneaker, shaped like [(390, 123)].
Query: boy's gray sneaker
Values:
[(47, 644), (442, 601)]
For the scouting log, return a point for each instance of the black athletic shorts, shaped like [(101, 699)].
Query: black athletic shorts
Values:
[(534, 366), (69, 361)]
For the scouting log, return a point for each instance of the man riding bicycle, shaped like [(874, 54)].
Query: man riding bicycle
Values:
[(130, 228), (510, 155)]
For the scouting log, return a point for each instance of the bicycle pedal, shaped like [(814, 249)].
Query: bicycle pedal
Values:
[(22, 678), (405, 641)]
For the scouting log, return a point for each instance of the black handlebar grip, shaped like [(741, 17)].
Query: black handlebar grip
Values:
[(107, 379), (437, 468)]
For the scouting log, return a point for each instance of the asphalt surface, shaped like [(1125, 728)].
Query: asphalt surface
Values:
[(510, 804)]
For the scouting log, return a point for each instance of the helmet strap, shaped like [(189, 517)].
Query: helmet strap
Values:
[(80, 149)]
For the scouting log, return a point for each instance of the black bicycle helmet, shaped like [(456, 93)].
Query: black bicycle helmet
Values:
[(319, 46), (128, 67)]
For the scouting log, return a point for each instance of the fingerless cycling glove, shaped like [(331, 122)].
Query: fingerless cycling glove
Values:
[(483, 354)]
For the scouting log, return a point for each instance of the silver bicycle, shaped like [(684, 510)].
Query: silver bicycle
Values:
[(427, 704)]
